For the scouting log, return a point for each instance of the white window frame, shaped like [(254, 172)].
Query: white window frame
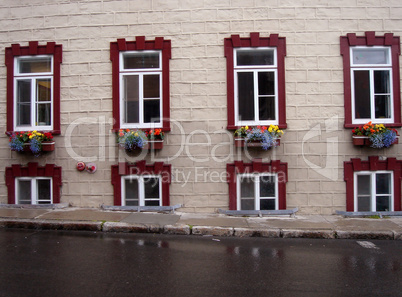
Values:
[(33, 77), (371, 68), (373, 193), (140, 73), (256, 178), (141, 188), (255, 69), (34, 189)]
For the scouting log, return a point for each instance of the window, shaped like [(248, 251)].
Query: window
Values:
[(256, 80), (257, 185), (33, 190), (141, 83), (371, 79), (373, 191), (141, 190), (140, 184), (257, 192), (33, 184), (33, 87), (373, 185)]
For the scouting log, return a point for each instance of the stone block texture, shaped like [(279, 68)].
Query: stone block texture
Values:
[(198, 146)]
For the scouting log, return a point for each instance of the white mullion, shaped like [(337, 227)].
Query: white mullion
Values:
[(141, 191), (372, 93), (34, 193), (256, 97), (373, 191), (33, 102), (141, 98), (238, 194), (256, 179), (275, 176)]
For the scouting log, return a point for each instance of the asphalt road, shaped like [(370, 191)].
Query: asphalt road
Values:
[(54, 263)]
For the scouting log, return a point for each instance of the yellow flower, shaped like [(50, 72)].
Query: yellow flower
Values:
[(246, 127), (136, 134), (270, 129)]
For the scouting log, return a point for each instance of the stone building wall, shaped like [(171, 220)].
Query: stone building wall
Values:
[(198, 147)]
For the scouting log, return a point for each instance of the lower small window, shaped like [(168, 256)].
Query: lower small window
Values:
[(33, 190), (142, 190), (374, 191), (257, 192)]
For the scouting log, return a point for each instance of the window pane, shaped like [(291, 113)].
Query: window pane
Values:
[(247, 204), (381, 82), (267, 204), (131, 98), (152, 111), (23, 102), (383, 203), (151, 86), (131, 190), (245, 87), (370, 56), (44, 114), (383, 183), (255, 57), (267, 186), (152, 203), (44, 191), (362, 94), (151, 185), (266, 83), (266, 108), (36, 65), (363, 203), (141, 60), (24, 192), (247, 187), (43, 90), (363, 185), (382, 107)]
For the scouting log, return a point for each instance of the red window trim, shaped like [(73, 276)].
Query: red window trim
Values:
[(51, 48), (33, 170), (235, 41), (372, 164), (140, 168), (141, 44), (370, 39), (256, 166)]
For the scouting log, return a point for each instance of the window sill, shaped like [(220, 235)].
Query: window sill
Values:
[(259, 213)]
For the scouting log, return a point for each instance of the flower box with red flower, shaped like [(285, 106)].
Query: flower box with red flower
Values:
[(375, 136), (261, 137)]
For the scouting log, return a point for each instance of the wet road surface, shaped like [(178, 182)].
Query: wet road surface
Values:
[(54, 263)]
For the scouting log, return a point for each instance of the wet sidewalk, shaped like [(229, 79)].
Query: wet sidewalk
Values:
[(295, 226)]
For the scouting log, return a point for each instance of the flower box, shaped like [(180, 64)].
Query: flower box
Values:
[(155, 145), (365, 140), (48, 146), (240, 142)]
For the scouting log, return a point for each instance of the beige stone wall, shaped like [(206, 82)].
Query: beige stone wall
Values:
[(315, 145)]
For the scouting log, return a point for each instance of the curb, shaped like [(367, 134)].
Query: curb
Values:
[(181, 229)]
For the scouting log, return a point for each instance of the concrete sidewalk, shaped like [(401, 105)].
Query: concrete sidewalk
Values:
[(297, 226)]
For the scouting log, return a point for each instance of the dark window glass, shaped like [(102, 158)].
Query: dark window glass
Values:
[(152, 111), (44, 191), (362, 94), (23, 102), (24, 192), (131, 98), (383, 203), (151, 86), (383, 183), (255, 57), (245, 96), (141, 60), (267, 204), (267, 186), (151, 185)]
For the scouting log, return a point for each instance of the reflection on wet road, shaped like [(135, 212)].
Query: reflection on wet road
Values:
[(50, 263)]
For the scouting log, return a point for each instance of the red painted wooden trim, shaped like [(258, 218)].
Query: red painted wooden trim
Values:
[(372, 164), (369, 40), (255, 40), (33, 170), (256, 166), (51, 48), (141, 44), (141, 168)]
